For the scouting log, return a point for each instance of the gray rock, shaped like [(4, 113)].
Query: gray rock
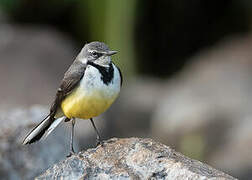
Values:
[(235, 155), (24, 162), (131, 114), (131, 158), (205, 108), (33, 59)]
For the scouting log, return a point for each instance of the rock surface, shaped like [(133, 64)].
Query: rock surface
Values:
[(25, 162), (131, 158), (33, 59), (206, 108)]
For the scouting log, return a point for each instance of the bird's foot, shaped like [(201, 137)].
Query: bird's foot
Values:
[(71, 153), (99, 142)]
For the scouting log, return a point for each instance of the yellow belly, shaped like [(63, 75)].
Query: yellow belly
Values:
[(79, 105)]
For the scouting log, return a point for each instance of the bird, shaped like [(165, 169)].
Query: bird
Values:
[(89, 87)]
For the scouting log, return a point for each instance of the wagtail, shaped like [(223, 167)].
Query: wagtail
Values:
[(89, 87)]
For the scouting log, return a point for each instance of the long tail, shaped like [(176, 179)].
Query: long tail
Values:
[(39, 130)]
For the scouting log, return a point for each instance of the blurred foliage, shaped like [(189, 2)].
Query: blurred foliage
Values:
[(153, 37), (9, 5), (113, 22)]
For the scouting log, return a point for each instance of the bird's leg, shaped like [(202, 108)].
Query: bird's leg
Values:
[(67, 119), (71, 139), (98, 137)]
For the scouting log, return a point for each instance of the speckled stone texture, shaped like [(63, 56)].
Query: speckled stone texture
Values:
[(131, 158), (17, 161)]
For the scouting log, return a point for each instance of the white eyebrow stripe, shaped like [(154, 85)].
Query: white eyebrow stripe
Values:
[(91, 51)]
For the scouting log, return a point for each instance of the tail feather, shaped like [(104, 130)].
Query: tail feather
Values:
[(38, 131), (53, 126)]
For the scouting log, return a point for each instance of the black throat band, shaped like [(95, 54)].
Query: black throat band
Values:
[(107, 73)]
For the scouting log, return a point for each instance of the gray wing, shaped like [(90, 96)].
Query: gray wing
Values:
[(71, 79)]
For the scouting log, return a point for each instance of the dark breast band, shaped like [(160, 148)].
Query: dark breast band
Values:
[(107, 73)]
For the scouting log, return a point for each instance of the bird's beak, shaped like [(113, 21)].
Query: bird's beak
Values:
[(110, 53)]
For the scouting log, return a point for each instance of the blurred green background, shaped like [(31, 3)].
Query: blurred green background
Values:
[(154, 38), (186, 66)]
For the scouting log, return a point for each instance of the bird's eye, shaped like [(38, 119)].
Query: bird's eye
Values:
[(96, 54)]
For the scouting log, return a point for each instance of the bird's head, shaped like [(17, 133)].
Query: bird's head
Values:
[(96, 52)]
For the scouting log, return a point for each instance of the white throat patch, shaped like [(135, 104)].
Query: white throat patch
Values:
[(83, 60)]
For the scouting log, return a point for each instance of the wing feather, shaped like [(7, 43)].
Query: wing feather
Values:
[(71, 79)]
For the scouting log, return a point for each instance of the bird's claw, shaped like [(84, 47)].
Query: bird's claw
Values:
[(99, 142), (71, 153)]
